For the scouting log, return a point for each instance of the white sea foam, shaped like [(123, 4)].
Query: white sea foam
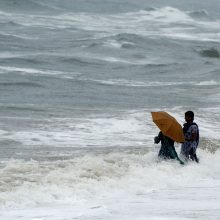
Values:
[(158, 22), (125, 60), (32, 71), (213, 37), (113, 43), (25, 70), (126, 129), (90, 132), (133, 83), (88, 187), (136, 22), (117, 44), (207, 83), (21, 36)]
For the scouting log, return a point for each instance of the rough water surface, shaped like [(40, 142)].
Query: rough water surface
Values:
[(78, 80)]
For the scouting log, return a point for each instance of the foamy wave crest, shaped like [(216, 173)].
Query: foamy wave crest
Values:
[(89, 177), (16, 37), (97, 132), (129, 20), (24, 71), (96, 59), (157, 22), (132, 83), (107, 23), (207, 83)]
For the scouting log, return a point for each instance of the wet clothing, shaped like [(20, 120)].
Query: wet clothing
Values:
[(167, 150), (188, 148)]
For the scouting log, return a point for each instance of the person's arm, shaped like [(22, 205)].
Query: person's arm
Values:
[(157, 139)]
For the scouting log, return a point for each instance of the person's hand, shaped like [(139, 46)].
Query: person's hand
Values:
[(156, 140)]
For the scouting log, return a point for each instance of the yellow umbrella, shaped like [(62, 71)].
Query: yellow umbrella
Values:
[(168, 125)]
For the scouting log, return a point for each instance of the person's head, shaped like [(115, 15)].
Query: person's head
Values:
[(189, 116)]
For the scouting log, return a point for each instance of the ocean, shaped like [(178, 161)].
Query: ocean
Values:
[(79, 80)]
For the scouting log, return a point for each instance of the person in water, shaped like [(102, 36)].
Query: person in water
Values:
[(167, 150), (191, 134)]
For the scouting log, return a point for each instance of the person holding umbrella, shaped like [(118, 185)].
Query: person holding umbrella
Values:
[(167, 150), (170, 131)]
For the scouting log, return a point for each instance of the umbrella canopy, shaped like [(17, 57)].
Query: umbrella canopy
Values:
[(168, 125)]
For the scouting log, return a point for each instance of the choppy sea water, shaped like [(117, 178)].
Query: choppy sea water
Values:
[(78, 80)]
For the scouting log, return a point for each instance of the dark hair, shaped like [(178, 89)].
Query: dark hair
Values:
[(190, 114)]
